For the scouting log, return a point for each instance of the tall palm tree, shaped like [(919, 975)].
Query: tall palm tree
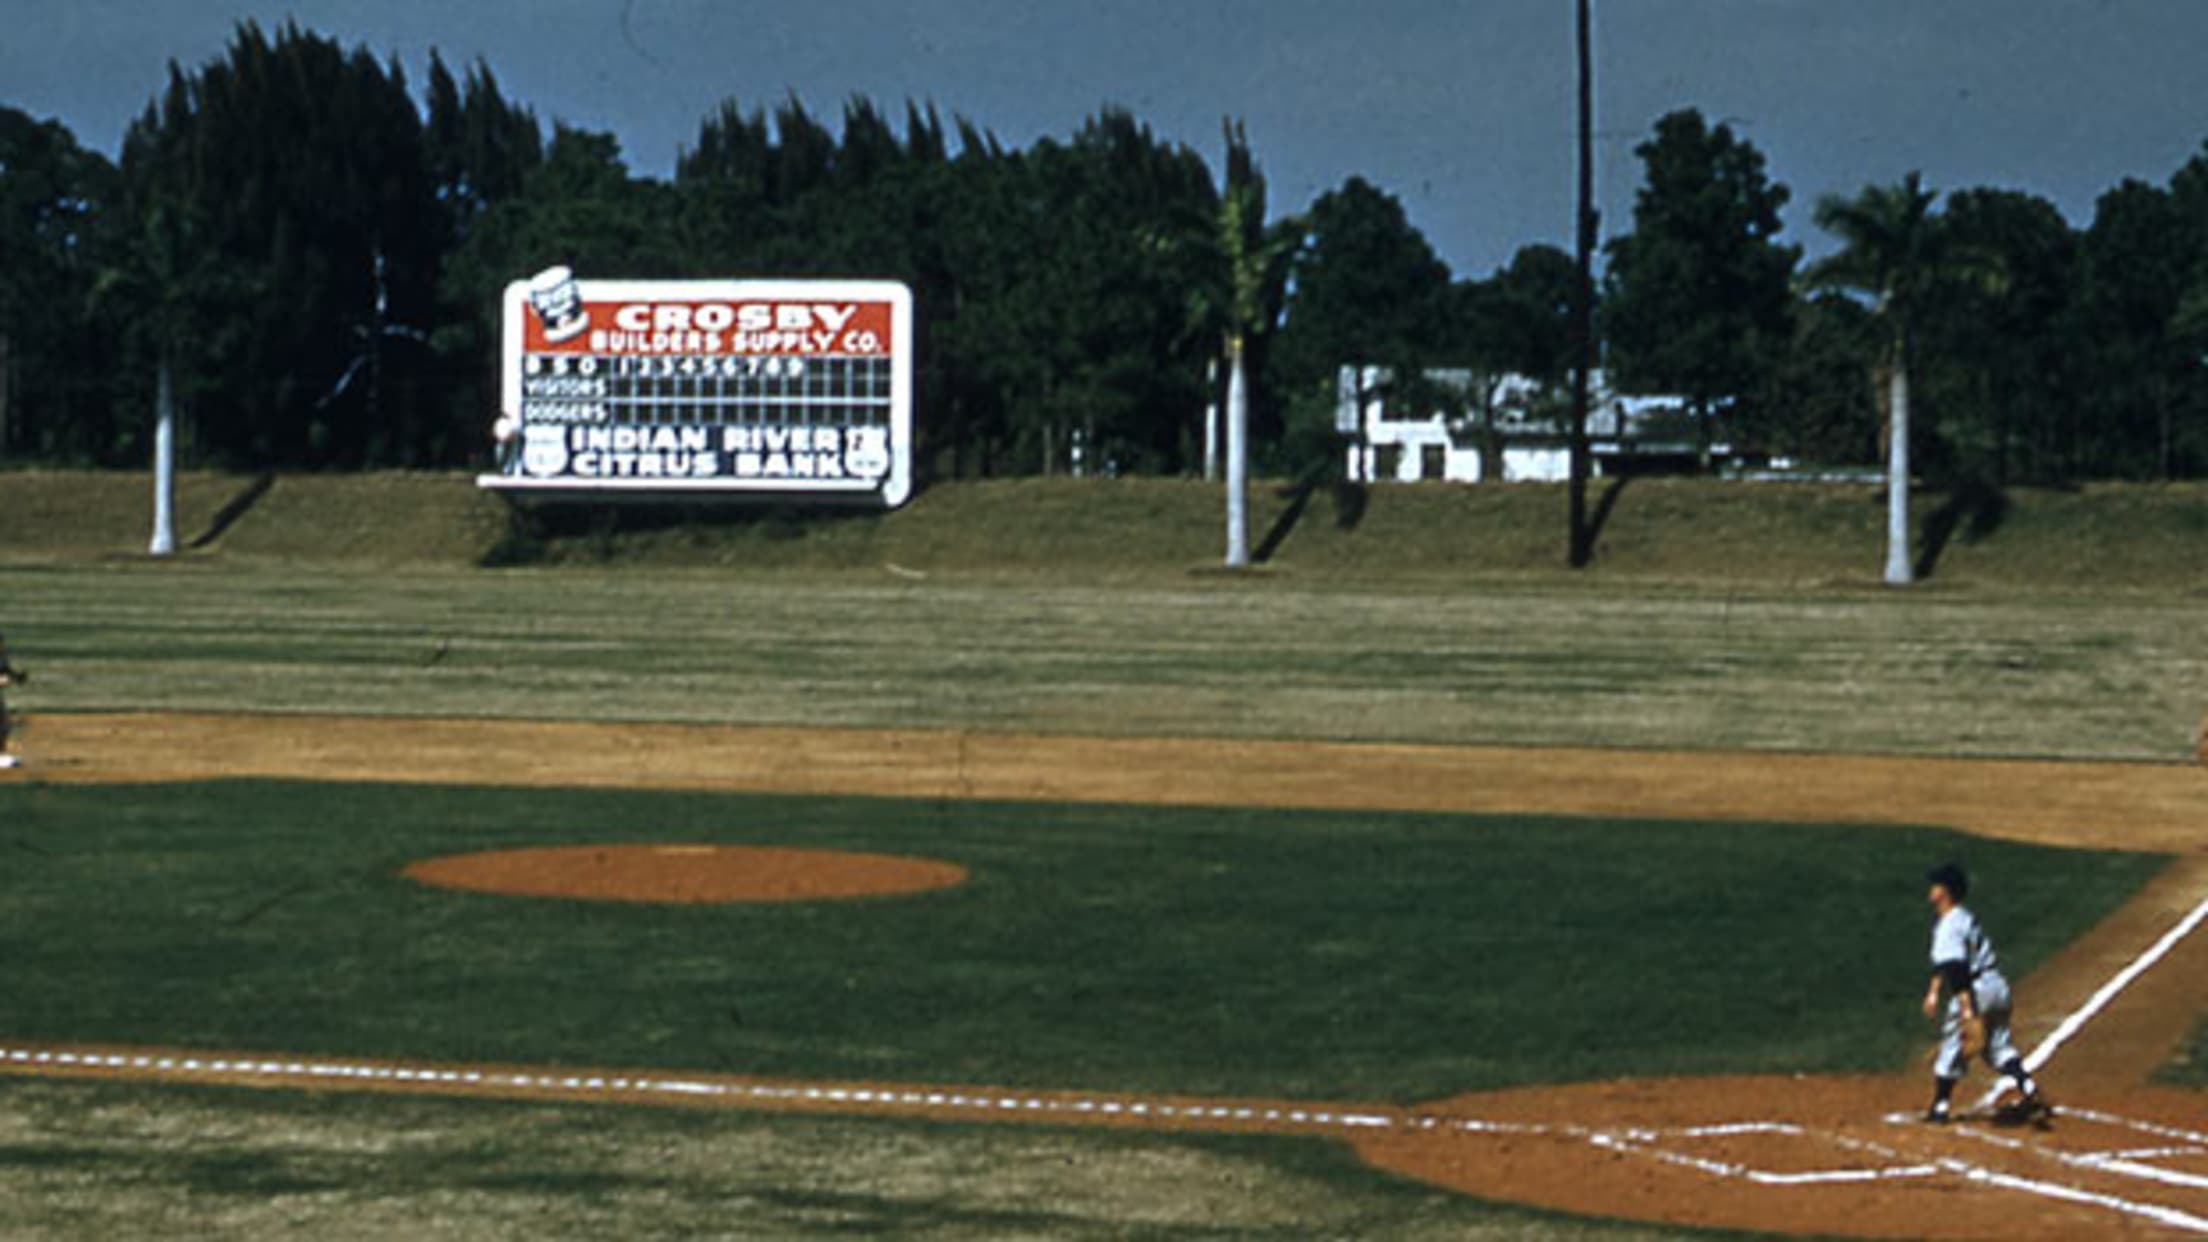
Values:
[(165, 265), (1898, 251), (1252, 258)]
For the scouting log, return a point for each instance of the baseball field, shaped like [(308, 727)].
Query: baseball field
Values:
[(777, 879)]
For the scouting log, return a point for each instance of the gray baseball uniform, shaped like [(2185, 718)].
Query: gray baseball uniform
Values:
[(1957, 938)]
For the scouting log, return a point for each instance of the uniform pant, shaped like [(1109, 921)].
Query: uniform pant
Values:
[(1990, 993)]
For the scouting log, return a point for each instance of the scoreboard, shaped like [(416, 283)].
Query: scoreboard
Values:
[(785, 390)]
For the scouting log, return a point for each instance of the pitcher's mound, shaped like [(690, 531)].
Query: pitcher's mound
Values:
[(685, 874)]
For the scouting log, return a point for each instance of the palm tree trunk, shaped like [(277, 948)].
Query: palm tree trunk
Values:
[(164, 466), (1899, 570), (1238, 458), (1211, 420)]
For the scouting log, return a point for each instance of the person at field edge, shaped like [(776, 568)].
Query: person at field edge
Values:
[(1964, 966), (9, 676)]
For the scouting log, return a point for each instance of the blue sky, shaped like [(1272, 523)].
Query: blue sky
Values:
[(1463, 109)]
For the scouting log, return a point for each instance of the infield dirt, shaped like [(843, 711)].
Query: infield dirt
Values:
[(1833, 1156)]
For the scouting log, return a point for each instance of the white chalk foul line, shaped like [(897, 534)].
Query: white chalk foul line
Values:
[(2146, 1172), (2132, 1163), (1645, 1143), (468, 1080), (2108, 992), (2176, 1133), (2170, 1216)]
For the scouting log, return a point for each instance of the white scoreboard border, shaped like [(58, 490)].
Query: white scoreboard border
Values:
[(893, 490)]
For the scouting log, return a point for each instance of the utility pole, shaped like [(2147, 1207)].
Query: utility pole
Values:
[(1581, 549)]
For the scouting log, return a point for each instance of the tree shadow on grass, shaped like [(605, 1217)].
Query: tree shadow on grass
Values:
[(1974, 507), (233, 509), (1350, 500), (1604, 507), (1299, 498), (604, 532)]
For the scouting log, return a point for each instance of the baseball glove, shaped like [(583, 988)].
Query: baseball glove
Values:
[(1974, 1036)]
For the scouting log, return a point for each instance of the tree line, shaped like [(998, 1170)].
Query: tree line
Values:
[(311, 253)]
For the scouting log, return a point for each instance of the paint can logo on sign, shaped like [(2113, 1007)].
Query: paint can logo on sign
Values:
[(558, 302), (866, 454), (544, 450)]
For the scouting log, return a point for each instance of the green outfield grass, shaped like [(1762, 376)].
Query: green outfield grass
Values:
[(1326, 956)]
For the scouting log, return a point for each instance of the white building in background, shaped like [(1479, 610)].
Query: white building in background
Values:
[(1507, 427)]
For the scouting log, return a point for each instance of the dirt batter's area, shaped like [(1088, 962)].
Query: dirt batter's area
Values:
[(2119, 1157), (1827, 1156)]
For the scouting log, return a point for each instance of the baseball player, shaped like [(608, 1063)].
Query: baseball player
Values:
[(9, 676), (1977, 1019)]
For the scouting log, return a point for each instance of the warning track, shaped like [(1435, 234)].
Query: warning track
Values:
[(2155, 807)]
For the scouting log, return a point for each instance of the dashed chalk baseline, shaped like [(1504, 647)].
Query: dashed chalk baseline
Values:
[(1877, 1161)]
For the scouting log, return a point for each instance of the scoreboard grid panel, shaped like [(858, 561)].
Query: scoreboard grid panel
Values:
[(668, 391)]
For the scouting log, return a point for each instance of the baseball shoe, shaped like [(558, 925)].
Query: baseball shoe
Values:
[(2032, 1107), (1937, 1114), (9, 761)]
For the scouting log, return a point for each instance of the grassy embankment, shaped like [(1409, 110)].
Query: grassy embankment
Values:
[(1793, 535)]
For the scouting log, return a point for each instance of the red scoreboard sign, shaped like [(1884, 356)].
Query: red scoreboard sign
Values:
[(703, 389)]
